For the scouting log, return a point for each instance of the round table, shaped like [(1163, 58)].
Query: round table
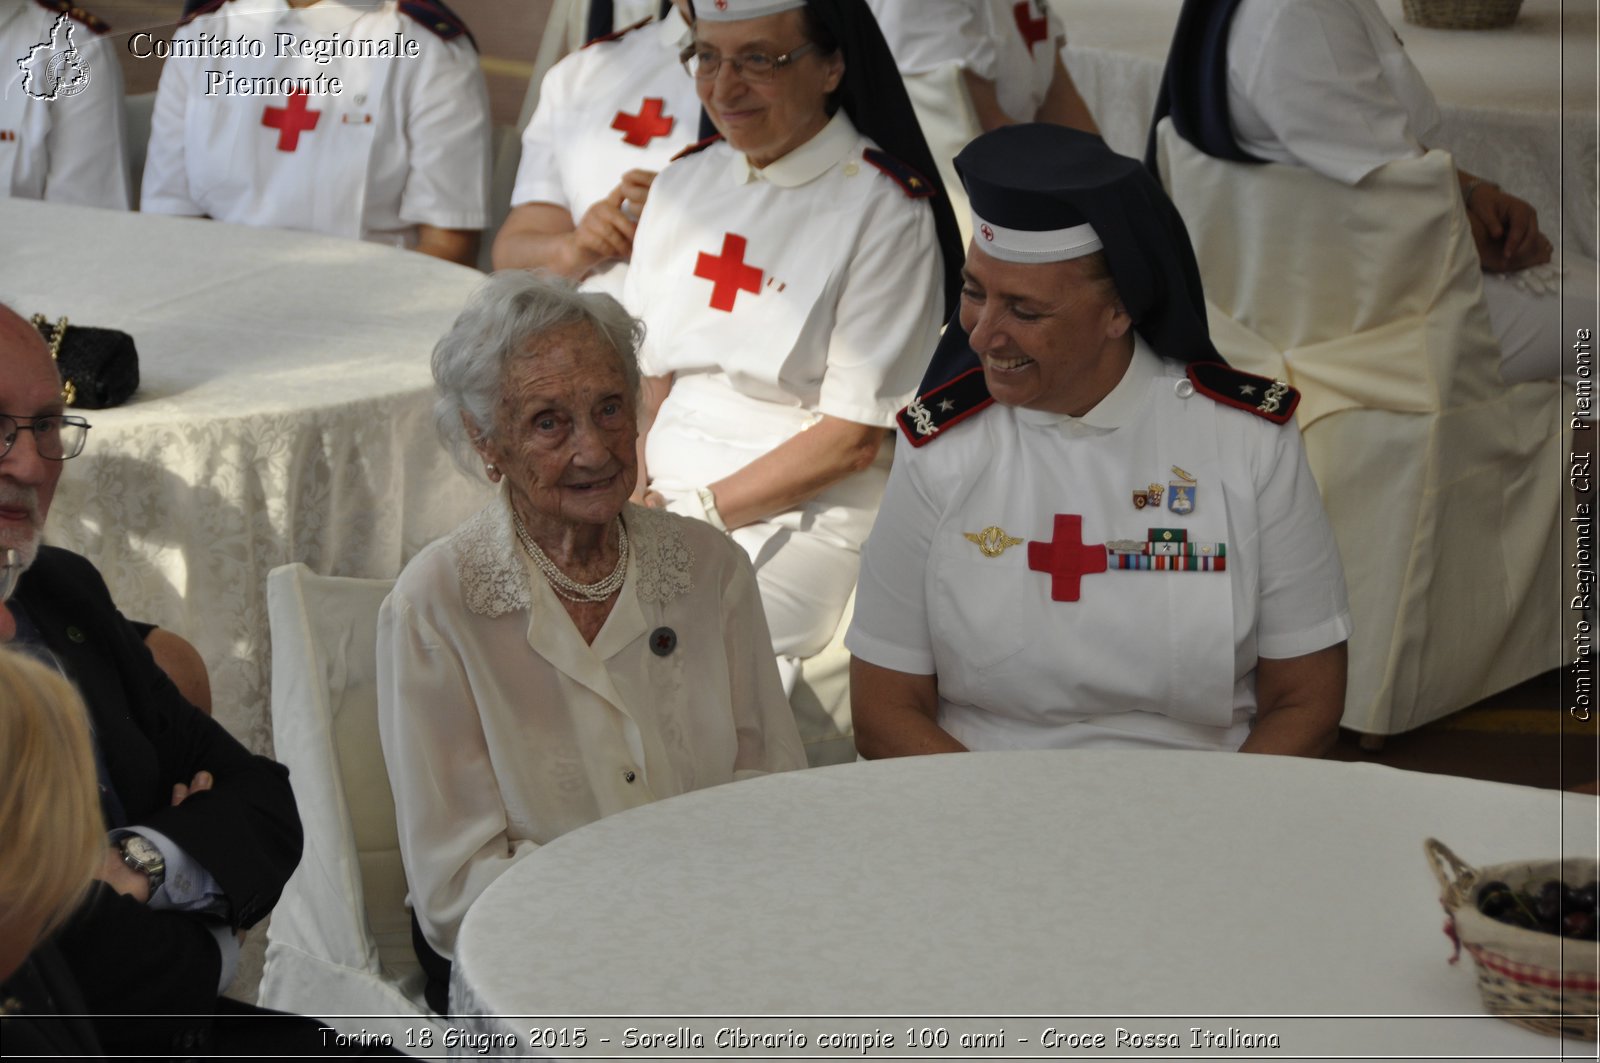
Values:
[(284, 413), (1518, 103), (1179, 889)]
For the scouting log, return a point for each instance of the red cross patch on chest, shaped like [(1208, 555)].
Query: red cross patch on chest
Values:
[(1033, 29), (1068, 559), (640, 129), (728, 274), (291, 120)]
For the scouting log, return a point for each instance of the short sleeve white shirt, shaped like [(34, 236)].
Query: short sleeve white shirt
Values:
[(814, 285), (1012, 43), (70, 149), (619, 105), (1029, 655), (1325, 84), (404, 142)]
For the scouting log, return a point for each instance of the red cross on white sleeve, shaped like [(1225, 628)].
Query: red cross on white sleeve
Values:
[(728, 274), (1033, 29)]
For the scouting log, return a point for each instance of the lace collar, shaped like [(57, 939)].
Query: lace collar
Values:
[(495, 577)]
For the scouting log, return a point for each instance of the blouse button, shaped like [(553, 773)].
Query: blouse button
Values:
[(628, 776), (1184, 389)]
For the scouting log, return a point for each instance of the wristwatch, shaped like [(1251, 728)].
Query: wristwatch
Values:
[(139, 853)]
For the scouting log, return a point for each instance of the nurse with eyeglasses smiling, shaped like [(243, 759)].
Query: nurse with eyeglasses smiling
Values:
[(792, 274)]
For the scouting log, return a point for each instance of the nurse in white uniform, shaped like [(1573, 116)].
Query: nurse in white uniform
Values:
[(1099, 535), (609, 118), (792, 279), (1327, 84), (1009, 54), (72, 148), (358, 118)]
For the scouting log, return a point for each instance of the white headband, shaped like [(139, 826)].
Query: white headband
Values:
[(735, 10), (1021, 245)]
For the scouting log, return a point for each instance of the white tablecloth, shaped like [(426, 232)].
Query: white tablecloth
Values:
[(284, 414), (1048, 883), (1518, 104)]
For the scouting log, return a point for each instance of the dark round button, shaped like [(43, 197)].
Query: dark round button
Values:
[(628, 776), (663, 640)]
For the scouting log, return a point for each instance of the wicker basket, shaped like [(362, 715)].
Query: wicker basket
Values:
[(1461, 14), (1540, 981)]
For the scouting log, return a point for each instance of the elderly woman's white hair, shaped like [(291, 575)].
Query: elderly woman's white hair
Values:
[(503, 321)]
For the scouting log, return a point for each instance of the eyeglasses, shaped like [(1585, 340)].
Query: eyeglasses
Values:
[(751, 66), (55, 437)]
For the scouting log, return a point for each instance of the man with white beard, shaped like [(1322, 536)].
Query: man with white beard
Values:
[(202, 833)]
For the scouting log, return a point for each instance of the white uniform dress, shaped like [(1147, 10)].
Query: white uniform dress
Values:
[(404, 143), (1327, 84), (813, 287), (615, 106), (71, 149), (1162, 658), (1009, 43), (502, 729)]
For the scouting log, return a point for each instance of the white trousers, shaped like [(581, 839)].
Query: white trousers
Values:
[(1536, 318)]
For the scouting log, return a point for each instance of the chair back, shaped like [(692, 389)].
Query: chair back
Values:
[(344, 908), (1435, 474)]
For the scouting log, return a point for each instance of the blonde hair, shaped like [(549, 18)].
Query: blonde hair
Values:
[(52, 836)]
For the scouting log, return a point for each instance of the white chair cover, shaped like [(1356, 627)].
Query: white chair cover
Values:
[(340, 939), (1439, 479)]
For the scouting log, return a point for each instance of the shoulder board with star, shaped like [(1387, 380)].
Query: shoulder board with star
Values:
[(88, 19), (944, 407), (912, 183), (617, 35), (1272, 399), (210, 7), (439, 19), (695, 149)]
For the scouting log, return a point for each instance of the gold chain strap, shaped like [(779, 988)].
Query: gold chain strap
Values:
[(69, 391)]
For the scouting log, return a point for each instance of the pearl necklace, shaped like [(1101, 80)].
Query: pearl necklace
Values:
[(569, 588)]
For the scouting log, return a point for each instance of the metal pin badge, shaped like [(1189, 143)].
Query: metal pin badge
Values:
[(663, 640)]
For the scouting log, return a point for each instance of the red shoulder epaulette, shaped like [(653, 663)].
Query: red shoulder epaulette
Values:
[(617, 35), (910, 181), (210, 7), (944, 407), (1272, 399), (438, 18), (695, 149), (77, 14)]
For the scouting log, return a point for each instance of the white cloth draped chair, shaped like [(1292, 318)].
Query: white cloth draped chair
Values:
[(1441, 481), (339, 943)]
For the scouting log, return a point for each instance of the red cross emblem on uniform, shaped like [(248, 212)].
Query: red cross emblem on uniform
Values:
[(722, 5), (1033, 29), (640, 129), (292, 120), (728, 274), (988, 233), (1068, 559)]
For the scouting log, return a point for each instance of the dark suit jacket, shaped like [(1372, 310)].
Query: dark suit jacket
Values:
[(126, 957), (38, 1005)]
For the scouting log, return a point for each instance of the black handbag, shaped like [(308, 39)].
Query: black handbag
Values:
[(99, 366)]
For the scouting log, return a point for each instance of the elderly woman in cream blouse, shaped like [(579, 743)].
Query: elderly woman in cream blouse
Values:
[(564, 654)]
